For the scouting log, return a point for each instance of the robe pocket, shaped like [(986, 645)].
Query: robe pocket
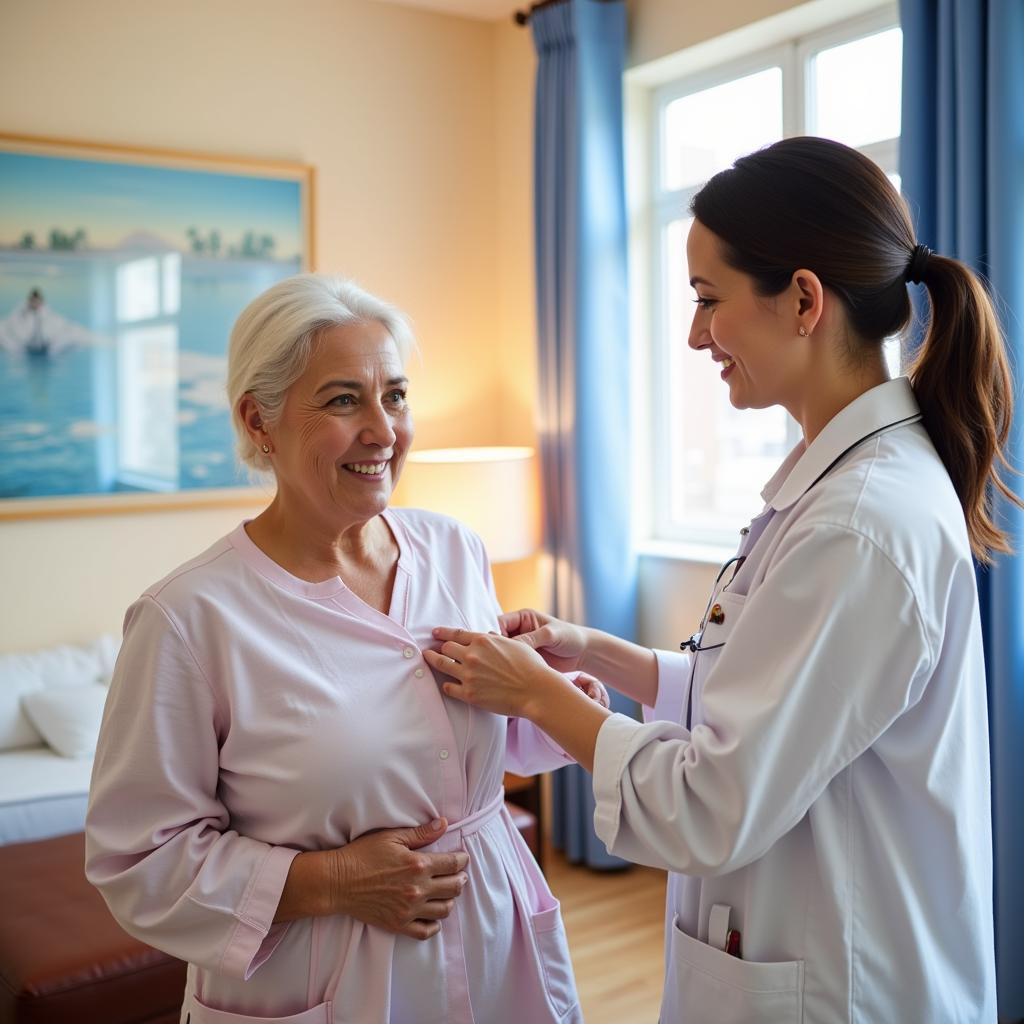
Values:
[(553, 948), (705, 983), (200, 1013)]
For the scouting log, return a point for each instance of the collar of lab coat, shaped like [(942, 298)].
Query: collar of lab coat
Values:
[(882, 408)]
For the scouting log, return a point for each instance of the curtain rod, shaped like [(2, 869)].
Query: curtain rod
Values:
[(523, 17)]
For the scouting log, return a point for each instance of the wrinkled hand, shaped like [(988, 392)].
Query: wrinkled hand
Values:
[(382, 880), (593, 688), (561, 644), (492, 672)]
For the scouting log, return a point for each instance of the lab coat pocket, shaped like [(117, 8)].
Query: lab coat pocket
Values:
[(705, 983), (549, 932), (200, 1013)]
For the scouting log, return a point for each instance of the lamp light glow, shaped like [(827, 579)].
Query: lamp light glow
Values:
[(493, 490)]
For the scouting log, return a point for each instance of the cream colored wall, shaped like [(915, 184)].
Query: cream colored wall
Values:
[(514, 334), (418, 126)]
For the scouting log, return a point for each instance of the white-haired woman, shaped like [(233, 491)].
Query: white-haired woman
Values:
[(282, 795)]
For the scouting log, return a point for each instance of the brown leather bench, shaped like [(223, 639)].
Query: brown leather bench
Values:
[(63, 958)]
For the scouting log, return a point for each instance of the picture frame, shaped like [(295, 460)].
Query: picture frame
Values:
[(122, 269)]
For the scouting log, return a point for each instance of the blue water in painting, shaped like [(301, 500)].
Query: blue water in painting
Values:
[(63, 428)]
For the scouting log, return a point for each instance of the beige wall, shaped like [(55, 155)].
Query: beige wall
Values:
[(418, 126)]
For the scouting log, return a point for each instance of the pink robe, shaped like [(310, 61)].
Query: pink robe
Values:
[(253, 715)]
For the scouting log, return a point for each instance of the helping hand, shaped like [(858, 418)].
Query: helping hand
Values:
[(593, 688), (492, 672), (561, 644), (381, 880)]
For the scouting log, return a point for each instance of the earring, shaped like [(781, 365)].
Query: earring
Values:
[(266, 448), (802, 332)]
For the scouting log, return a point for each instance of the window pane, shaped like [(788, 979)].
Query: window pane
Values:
[(147, 419), (138, 290), (893, 358), (893, 354), (721, 457), (857, 89), (706, 131)]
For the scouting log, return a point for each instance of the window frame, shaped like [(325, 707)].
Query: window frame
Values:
[(657, 207)]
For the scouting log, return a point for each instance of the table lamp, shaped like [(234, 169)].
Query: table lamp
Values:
[(491, 490)]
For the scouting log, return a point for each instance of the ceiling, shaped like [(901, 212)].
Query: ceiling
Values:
[(484, 10)]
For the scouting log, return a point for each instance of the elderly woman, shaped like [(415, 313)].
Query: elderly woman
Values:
[(282, 794)]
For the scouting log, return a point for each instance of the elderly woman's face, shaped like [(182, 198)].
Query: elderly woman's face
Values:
[(345, 428)]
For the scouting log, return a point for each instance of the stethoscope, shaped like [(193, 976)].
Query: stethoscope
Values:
[(695, 643)]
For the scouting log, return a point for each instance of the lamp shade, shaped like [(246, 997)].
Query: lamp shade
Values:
[(491, 490)]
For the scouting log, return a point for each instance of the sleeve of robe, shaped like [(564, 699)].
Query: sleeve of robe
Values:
[(158, 842)]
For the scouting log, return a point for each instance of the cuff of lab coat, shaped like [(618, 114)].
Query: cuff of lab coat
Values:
[(255, 936), (609, 763), (673, 680)]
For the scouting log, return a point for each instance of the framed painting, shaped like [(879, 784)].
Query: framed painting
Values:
[(121, 273)]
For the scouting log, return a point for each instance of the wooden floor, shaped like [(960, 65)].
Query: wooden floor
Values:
[(615, 922)]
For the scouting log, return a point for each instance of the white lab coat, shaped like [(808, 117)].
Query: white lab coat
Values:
[(833, 791)]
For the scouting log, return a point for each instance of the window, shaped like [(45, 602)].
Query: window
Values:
[(147, 300), (708, 460)]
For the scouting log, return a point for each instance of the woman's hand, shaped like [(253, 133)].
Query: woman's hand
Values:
[(561, 644), (509, 677), (380, 879), (593, 688), (493, 672)]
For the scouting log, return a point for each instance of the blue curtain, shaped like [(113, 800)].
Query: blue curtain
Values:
[(583, 332), (962, 163)]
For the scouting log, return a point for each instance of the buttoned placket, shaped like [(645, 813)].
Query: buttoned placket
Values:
[(450, 773), (450, 776), (453, 797), (452, 805)]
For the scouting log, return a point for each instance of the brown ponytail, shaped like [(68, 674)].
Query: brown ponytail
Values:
[(808, 202), (962, 380)]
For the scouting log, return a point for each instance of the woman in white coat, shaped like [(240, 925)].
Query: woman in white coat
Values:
[(813, 770)]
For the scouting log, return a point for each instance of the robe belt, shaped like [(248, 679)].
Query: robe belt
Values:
[(471, 823), (476, 821)]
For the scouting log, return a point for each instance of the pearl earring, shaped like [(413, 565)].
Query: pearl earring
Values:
[(266, 449), (802, 332)]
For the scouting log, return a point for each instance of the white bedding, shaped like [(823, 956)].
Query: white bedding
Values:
[(41, 794)]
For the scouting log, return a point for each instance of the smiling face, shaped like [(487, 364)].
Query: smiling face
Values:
[(345, 428), (753, 338)]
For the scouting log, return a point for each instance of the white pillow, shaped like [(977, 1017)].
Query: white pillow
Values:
[(106, 649), (67, 717), (21, 674)]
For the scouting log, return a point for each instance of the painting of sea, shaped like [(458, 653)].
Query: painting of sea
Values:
[(121, 274)]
